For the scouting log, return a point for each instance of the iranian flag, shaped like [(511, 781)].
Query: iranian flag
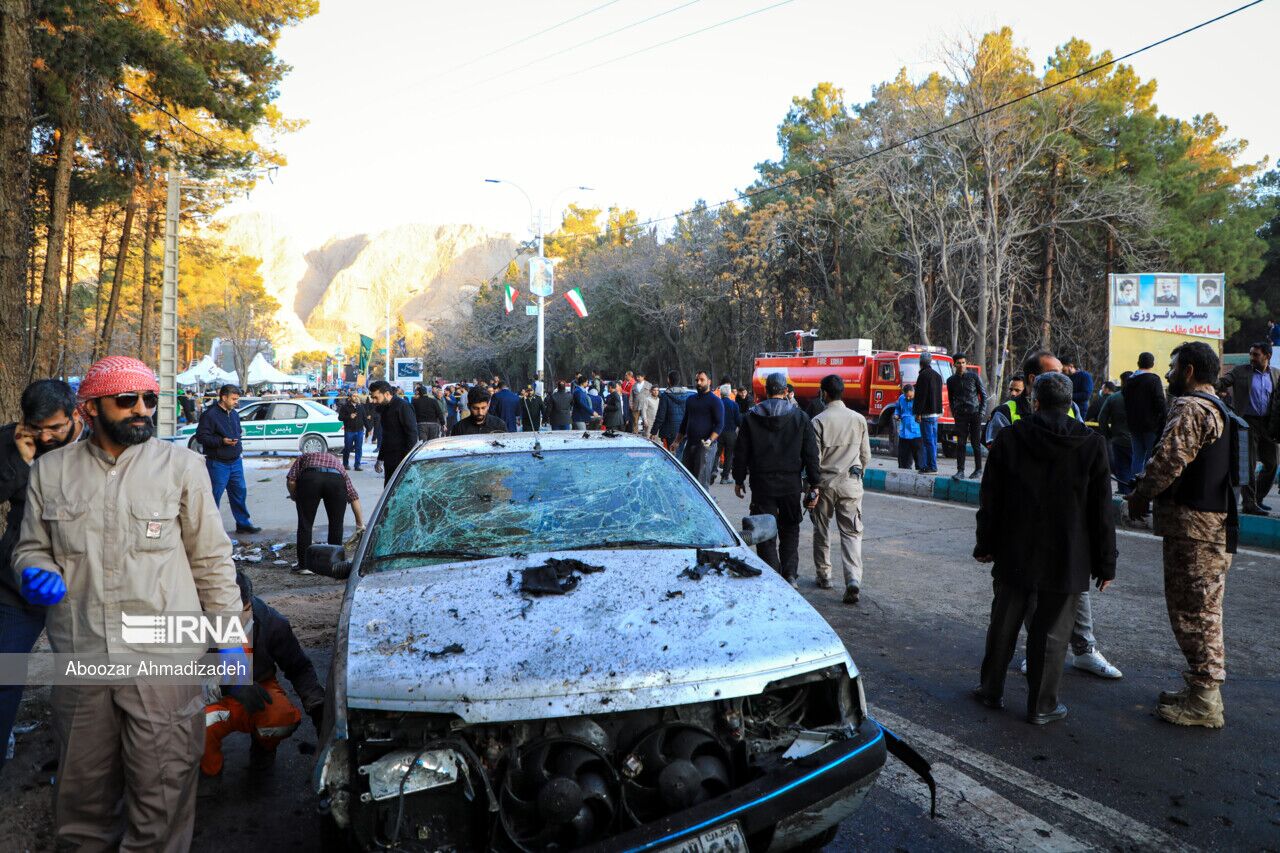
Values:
[(509, 298), (575, 299)]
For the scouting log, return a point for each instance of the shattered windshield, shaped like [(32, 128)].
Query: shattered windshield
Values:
[(504, 503)]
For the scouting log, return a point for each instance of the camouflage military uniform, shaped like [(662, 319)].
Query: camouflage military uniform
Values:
[(1195, 542)]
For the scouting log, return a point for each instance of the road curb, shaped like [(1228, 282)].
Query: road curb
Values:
[(1255, 531)]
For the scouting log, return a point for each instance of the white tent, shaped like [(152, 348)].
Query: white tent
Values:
[(261, 371), (206, 372)]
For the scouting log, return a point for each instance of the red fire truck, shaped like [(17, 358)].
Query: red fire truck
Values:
[(872, 379)]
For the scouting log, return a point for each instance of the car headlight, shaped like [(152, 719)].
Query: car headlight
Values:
[(406, 771)]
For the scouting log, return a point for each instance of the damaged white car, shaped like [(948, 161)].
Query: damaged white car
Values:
[(558, 642)]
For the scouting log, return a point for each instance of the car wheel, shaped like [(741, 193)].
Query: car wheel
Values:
[(820, 840), (314, 444)]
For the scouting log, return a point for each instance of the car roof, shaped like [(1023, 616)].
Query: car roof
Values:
[(524, 442)]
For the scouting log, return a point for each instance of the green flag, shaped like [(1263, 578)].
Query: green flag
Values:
[(366, 348)]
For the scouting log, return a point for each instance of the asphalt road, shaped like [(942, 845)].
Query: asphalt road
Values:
[(1110, 776)]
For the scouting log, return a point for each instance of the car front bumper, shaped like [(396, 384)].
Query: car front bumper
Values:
[(782, 809)]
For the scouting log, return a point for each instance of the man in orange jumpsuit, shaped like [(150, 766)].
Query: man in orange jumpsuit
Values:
[(262, 709)]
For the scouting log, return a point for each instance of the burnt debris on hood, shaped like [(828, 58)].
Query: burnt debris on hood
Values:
[(555, 576), (719, 562)]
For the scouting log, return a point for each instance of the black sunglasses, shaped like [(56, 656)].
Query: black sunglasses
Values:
[(150, 399)]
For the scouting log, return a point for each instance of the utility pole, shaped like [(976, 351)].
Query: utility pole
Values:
[(538, 383), (168, 419)]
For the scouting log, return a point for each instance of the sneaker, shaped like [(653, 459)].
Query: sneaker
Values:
[(993, 702), (824, 583), (248, 528), (1254, 509), (357, 468), (301, 572), (1052, 716), (795, 584), (1263, 507), (976, 475), (959, 475), (851, 594), (1093, 662)]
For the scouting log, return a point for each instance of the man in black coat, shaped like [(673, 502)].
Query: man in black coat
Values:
[(1144, 405), (1253, 390), (480, 421), (399, 428), (776, 445), (560, 406), (427, 411), (531, 410), (927, 409), (1045, 520)]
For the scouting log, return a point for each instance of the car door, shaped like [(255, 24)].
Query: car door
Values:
[(252, 420), (284, 426)]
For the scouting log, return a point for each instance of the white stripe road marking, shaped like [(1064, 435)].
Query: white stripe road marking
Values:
[(1113, 824), (979, 815), (1136, 534)]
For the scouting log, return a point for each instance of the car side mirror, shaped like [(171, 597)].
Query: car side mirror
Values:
[(328, 560), (757, 529)]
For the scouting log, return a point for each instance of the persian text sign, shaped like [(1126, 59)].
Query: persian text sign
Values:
[(1178, 303)]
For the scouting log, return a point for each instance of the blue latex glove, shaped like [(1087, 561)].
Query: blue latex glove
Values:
[(41, 586), (233, 657)]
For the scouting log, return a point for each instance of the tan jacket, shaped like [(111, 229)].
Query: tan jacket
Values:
[(139, 535), (843, 442)]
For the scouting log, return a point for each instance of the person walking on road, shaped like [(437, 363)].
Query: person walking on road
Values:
[(314, 478), (352, 414), (1144, 406), (728, 438), (1045, 523), (1254, 387), (505, 405), (219, 435), (670, 414), (700, 431), (928, 408), (428, 414), (968, 400), (399, 428), (560, 407), (49, 421), (844, 453), (1189, 476), (126, 523), (777, 448), (479, 422)]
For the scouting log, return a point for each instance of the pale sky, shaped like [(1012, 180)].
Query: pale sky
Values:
[(404, 123)]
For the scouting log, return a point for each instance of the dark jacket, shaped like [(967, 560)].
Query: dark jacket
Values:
[(352, 416), (732, 414), (560, 408), (703, 415), (965, 393), (13, 489), (1045, 509), (531, 412), (1145, 403), (776, 445), (426, 410), (671, 402), (468, 426), (581, 405), (399, 430), (275, 645), (1238, 381), (505, 405), (928, 392), (614, 410), (215, 425), (1081, 388), (1113, 421)]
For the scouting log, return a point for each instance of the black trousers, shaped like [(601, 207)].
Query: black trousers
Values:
[(727, 442), (783, 553), (390, 463), (315, 487), (969, 428), (1262, 450), (910, 453), (428, 430), (1049, 632)]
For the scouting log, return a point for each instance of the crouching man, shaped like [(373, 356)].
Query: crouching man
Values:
[(262, 709)]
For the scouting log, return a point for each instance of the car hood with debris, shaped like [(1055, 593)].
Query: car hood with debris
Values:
[(462, 638)]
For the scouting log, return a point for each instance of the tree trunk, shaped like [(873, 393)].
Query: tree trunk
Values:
[(46, 344), (15, 193), (60, 364), (145, 350), (1050, 258), (97, 289), (117, 275)]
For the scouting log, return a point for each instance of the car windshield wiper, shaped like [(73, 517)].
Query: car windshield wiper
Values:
[(437, 552), (635, 543)]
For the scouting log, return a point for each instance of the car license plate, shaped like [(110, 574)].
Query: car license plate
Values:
[(722, 839)]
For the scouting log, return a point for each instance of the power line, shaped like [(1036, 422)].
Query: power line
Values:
[(573, 47), (846, 163), (521, 40)]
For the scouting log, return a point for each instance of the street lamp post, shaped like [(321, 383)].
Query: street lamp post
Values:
[(540, 357)]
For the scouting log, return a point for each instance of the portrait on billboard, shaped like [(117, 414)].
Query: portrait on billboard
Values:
[(1168, 290), (1127, 290), (1209, 292)]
